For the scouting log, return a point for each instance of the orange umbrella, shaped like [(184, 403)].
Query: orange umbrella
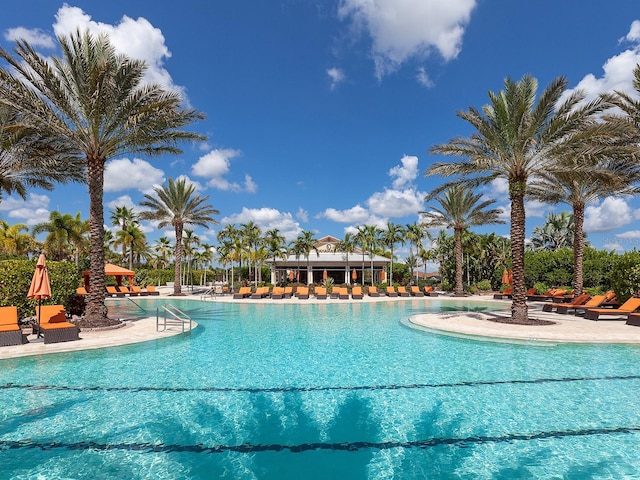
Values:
[(40, 286), (291, 275), (324, 275), (354, 275), (505, 276), (510, 277), (383, 276)]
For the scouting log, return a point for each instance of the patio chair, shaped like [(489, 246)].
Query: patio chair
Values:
[(113, 292), (356, 293), (343, 293), (302, 293), (625, 309), (373, 291), (594, 302), (151, 290), (10, 331), (138, 291), (402, 291), (53, 324), (415, 291), (579, 300), (506, 294), (277, 293), (391, 291), (321, 293), (260, 292), (429, 291), (81, 291), (288, 292)]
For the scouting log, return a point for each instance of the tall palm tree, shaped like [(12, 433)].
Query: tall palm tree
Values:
[(231, 237), (516, 138), (122, 217), (189, 241), (12, 240), (90, 105), (305, 244), (347, 245), (371, 235), (250, 234), (557, 232), (460, 209), (22, 167), (131, 239), (414, 233), (177, 204), (393, 235), (163, 249), (361, 239), (206, 256), (62, 232), (275, 246)]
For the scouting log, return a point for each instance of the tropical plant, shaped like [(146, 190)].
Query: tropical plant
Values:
[(305, 244), (347, 245), (275, 245), (176, 204), (63, 232), (557, 232), (88, 106), (123, 217), (231, 239), (414, 234), (251, 234), (393, 235), (516, 138), (13, 241), (460, 209)]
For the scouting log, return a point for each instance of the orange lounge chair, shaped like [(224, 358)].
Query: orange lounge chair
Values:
[(151, 290), (260, 292), (402, 291), (113, 291), (504, 295), (594, 302), (625, 309), (288, 292), (138, 291), (53, 324), (343, 293), (320, 293), (10, 331), (277, 293), (391, 291), (356, 293), (244, 292), (429, 291), (415, 291), (302, 293), (81, 291), (124, 289), (373, 291), (577, 301)]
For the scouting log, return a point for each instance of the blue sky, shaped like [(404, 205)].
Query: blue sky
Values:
[(320, 114)]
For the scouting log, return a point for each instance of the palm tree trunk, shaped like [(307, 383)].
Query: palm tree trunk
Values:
[(96, 312), (519, 309), (177, 277), (578, 248), (459, 290)]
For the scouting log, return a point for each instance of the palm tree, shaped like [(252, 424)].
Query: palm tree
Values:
[(557, 232), (13, 241), (177, 204), (89, 106), (63, 232), (371, 235), (304, 244), (122, 217), (131, 239), (390, 237), (250, 234), (275, 246), (163, 249), (347, 245), (21, 167), (189, 241), (414, 234), (460, 209), (230, 236), (516, 139)]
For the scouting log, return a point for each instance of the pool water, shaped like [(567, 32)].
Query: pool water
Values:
[(321, 391)]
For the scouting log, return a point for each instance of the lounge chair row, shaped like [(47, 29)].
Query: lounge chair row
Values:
[(357, 292), (599, 307), (122, 290), (52, 324)]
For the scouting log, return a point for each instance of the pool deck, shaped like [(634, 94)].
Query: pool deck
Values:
[(567, 329)]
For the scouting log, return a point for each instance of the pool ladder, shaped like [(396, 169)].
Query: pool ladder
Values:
[(171, 315)]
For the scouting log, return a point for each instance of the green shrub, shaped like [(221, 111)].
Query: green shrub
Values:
[(484, 285), (540, 287), (625, 276), (15, 280)]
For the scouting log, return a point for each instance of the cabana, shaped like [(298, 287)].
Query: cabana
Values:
[(111, 270)]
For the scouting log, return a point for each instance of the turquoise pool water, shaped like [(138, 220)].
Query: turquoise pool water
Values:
[(321, 392)]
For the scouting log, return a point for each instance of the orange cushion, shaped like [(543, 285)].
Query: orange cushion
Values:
[(9, 328)]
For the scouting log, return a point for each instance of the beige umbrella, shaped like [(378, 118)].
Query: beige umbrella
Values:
[(40, 285)]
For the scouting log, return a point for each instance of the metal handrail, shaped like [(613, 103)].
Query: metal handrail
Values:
[(136, 304), (178, 317)]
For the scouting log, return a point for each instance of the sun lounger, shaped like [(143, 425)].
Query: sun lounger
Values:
[(391, 291), (579, 300), (504, 295), (373, 292), (402, 291), (625, 309), (633, 319), (112, 291), (429, 291), (151, 290), (302, 293), (343, 293), (54, 326), (81, 291), (277, 293), (288, 292), (260, 292), (356, 293), (125, 290), (244, 292), (548, 295), (138, 291), (320, 293), (10, 331), (594, 302), (415, 291)]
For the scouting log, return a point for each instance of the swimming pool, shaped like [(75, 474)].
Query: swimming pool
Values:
[(321, 391)]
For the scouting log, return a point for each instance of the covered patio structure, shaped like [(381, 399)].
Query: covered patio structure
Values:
[(111, 270)]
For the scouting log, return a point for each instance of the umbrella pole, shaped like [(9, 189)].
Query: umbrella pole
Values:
[(39, 334)]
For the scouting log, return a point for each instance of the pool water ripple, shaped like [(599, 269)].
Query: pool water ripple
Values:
[(321, 391)]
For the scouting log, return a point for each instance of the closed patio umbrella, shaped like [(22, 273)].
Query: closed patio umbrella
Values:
[(291, 275), (324, 274), (505, 276), (354, 275), (383, 276), (40, 285)]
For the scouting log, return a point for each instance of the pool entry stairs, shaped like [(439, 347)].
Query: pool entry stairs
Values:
[(169, 315)]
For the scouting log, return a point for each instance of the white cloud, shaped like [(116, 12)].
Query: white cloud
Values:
[(405, 173), (35, 37), (618, 70), (267, 219), (423, 78), (302, 215), (137, 39), (215, 165), (396, 203), (33, 201), (613, 212), (123, 174), (613, 246), (121, 201), (631, 234), (30, 216), (336, 75), (357, 214), (402, 29), (196, 185)]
